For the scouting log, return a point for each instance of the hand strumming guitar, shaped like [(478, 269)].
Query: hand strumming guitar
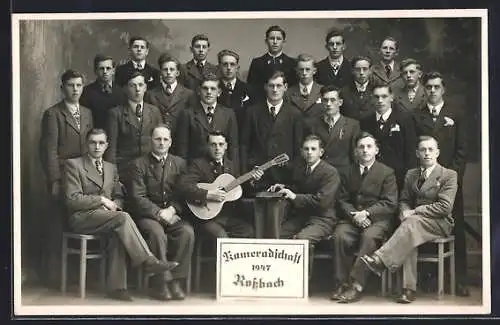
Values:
[(218, 195)]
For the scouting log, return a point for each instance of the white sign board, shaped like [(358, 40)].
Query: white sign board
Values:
[(262, 268)]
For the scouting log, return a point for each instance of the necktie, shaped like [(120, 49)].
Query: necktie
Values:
[(434, 114), (169, 89), (107, 89), (199, 65), (273, 111), (210, 114), (76, 116), (219, 168), (229, 87), (411, 95), (98, 166), (304, 92), (381, 122), (138, 111), (421, 179), (308, 170), (162, 161), (139, 66), (365, 171), (336, 67), (388, 71)]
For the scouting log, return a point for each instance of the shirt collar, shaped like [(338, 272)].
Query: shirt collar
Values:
[(335, 118), (337, 61), (93, 160), (158, 158), (390, 64), (72, 107), (133, 105), (385, 116), (205, 106), (361, 87), (172, 86), (232, 82), (438, 107), (315, 164), (309, 86), (275, 56), (142, 62), (428, 170), (203, 62), (361, 167), (277, 106)]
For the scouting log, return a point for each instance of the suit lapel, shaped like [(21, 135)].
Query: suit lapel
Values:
[(219, 117), (129, 116), (92, 173), (146, 116), (200, 117), (69, 117), (373, 172), (379, 70), (335, 133), (432, 179), (297, 98), (193, 70), (175, 97), (440, 119), (155, 168), (108, 174), (395, 73)]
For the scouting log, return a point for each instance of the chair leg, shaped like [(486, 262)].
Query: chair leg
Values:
[(451, 248), (64, 264), (83, 267), (103, 265), (440, 271), (197, 275)]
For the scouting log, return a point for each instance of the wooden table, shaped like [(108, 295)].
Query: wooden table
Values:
[(269, 213)]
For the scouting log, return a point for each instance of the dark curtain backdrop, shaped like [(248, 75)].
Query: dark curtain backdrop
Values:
[(48, 47)]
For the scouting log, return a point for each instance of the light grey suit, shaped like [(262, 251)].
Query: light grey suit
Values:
[(83, 188), (432, 204)]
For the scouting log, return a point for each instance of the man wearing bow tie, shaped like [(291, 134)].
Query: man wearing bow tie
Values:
[(194, 124), (367, 205), (235, 93), (387, 71), (130, 126), (63, 131), (306, 94), (158, 211), (139, 50), (394, 130), (171, 97), (104, 93), (193, 71), (426, 205), (334, 69), (205, 169), (261, 68), (447, 125)]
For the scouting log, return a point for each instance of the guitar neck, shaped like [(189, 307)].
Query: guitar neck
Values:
[(246, 177)]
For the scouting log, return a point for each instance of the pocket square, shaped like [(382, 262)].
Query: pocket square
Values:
[(395, 128), (448, 121), (318, 101), (245, 99)]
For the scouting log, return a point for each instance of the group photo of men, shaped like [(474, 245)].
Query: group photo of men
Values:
[(378, 137)]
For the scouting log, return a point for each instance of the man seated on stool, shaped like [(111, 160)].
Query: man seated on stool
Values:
[(93, 196), (425, 212), (158, 212), (228, 223), (367, 205), (312, 195)]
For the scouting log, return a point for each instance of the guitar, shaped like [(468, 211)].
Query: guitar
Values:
[(232, 186)]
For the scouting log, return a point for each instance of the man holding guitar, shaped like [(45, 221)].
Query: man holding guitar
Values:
[(204, 199)]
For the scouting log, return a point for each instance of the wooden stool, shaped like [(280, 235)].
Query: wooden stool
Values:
[(85, 255), (439, 258), (143, 280)]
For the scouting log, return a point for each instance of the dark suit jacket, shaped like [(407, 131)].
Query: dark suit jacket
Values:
[(193, 128), (395, 80), (61, 139), (191, 77), (83, 186), (128, 138), (325, 75), (239, 99), (262, 67), (396, 148), (100, 102), (309, 106), (153, 188), (264, 139), (338, 143), (170, 105), (401, 98), (377, 193), (357, 105), (452, 138), (317, 192), (435, 198), (151, 74)]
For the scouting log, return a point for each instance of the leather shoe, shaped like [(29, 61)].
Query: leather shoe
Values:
[(163, 294), (176, 289), (374, 264), (462, 291), (337, 293), (120, 294), (351, 295), (157, 267), (406, 297)]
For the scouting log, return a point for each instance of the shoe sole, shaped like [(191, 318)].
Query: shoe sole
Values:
[(368, 265)]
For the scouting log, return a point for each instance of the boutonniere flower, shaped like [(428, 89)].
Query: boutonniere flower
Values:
[(318, 101), (438, 184), (448, 121), (150, 78), (341, 134), (244, 99), (394, 128)]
